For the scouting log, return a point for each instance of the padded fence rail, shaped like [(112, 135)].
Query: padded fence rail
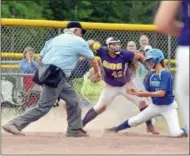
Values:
[(16, 34)]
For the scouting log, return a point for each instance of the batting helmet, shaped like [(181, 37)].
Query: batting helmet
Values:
[(156, 55), (113, 44)]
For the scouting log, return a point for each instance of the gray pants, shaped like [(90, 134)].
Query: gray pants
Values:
[(48, 97)]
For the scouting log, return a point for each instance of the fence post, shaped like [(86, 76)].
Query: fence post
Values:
[(169, 51), (59, 31)]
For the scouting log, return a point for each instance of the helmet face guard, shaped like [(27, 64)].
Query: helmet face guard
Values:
[(150, 64), (114, 45)]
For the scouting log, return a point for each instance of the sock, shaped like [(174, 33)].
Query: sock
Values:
[(90, 115), (149, 122), (122, 126)]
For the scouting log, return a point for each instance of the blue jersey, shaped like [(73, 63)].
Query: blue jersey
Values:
[(184, 36), (161, 81)]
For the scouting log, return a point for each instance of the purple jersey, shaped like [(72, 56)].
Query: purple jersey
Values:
[(115, 69), (184, 36)]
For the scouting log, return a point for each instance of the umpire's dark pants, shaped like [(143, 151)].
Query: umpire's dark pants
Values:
[(48, 98)]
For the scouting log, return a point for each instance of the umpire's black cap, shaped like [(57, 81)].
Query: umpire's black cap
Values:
[(76, 24)]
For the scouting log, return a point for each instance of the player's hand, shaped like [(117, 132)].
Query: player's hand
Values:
[(141, 93), (131, 91), (91, 42)]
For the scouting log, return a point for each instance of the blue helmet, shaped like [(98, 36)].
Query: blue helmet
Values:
[(156, 55)]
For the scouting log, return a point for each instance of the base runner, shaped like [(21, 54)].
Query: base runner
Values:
[(159, 86)]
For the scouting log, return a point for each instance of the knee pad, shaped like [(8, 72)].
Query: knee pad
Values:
[(133, 122), (142, 103), (100, 110)]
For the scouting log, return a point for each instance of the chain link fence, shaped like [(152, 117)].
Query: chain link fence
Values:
[(18, 88)]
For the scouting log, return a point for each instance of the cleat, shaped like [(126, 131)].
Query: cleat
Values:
[(12, 129), (151, 129), (110, 130), (77, 133)]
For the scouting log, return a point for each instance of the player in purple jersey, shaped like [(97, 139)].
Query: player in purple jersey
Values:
[(116, 79), (159, 86), (166, 22)]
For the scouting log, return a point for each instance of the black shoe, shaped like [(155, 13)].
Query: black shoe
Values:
[(110, 130), (83, 130), (12, 129), (77, 133)]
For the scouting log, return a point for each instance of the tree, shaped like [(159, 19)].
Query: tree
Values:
[(106, 11), (22, 9), (141, 12), (113, 11)]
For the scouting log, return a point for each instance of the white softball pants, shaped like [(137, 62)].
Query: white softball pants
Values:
[(109, 93), (182, 82), (169, 113)]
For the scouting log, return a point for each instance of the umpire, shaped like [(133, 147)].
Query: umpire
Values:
[(61, 56)]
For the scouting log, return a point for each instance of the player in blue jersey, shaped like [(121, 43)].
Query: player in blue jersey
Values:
[(117, 78), (167, 23), (159, 86)]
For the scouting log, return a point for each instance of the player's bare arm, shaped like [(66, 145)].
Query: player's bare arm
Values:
[(134, 66), (165, 18), (97, 72), (139, 57), (140, 93)]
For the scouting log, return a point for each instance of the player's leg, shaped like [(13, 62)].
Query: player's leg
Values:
[(171, 116), (182, 82), (150, 112), (48, 98), (106, 97), (73, 111), (142, 103)]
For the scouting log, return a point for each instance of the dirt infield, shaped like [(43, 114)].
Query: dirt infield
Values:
[(127, 143), (46, 136)]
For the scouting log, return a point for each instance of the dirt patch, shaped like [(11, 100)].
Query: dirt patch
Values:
[(97, 143), (46, 136)]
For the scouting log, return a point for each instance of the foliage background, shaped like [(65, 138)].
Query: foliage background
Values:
[(113, 11)]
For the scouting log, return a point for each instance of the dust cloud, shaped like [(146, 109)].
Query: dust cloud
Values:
[(55, 121)]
